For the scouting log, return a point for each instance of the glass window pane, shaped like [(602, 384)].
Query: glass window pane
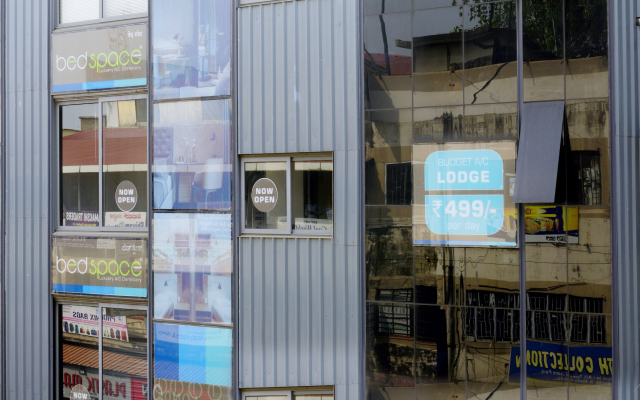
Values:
[(80, 360), (438, 124), (192, 155), (387, 56), (390, 351), (386, 6), (490, 53), (79, 10), (440, 353), (437, 57), (192, 362), (124, 351), (265, 195), (587, 48), (116, 8), (543, 50), (492, 342), (312, 196), (192, 48), (124, 157), (80, 166), (192, 264)]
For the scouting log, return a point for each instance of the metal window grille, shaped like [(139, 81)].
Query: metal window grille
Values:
[(399, 186)]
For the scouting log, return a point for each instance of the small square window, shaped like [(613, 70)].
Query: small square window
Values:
[(284, 195)]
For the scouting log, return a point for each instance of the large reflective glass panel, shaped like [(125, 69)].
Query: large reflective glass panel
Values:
[(543, 51), (123, 334), (124, 163), (437, 57), (192, 265), (390, 351), (587, 48), (387, 55), (78, 10), (116, 8), (80, 148), (191, 48), (192, 362), (192, 155), (490, 53)]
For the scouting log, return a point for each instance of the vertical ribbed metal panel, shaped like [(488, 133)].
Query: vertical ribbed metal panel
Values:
[(301, 299), (26, 112), (626, 196)]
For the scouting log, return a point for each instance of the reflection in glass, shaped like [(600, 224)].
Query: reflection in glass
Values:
[(389, 252), (548, 366), (588, 164), (543, 50), (117, 8), (388, 153), (192, 264), (124, 158), (313, 397), (546, 267), (192, 362), (438, 124), (587, 48), (78, 10), (191, 48), (312, 195), (192, 155), (492, 335), (437, 57), (386, 6), (490, 53), (440, 353), (390, 351), (80, 165), (492, 277), (491, 122), (273, 212), (590, 262), (591, 363), (124, 351), (387, 59)]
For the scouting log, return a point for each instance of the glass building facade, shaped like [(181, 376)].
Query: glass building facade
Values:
[(444, 319)]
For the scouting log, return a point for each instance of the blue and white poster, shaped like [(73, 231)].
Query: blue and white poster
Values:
[(463, 194), (552, 362)]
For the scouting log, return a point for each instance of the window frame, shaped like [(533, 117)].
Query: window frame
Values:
[(101, 19), (58, 166), (290, 393), (289, 159)]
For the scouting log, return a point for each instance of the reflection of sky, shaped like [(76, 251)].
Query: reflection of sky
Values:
[(71, 115)]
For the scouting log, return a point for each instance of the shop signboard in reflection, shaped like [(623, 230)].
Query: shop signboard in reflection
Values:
[(81, 218), (99, 59), (115, 387), (106, 266), (463, 194), (192, 263), (552, 224), (552, 362), (80, 320)]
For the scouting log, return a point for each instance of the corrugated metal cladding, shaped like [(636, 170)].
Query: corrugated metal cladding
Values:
[(626, 219), (301, 299), (26, 278)]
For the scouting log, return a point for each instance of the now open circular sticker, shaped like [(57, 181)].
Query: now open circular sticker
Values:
[(264, 195), (79, 392), (126, 196)]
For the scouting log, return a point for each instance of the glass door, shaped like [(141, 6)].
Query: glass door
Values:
[(124, 356)]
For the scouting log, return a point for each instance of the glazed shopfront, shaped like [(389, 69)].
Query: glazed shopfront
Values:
[(141, 252), (488, 200)]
